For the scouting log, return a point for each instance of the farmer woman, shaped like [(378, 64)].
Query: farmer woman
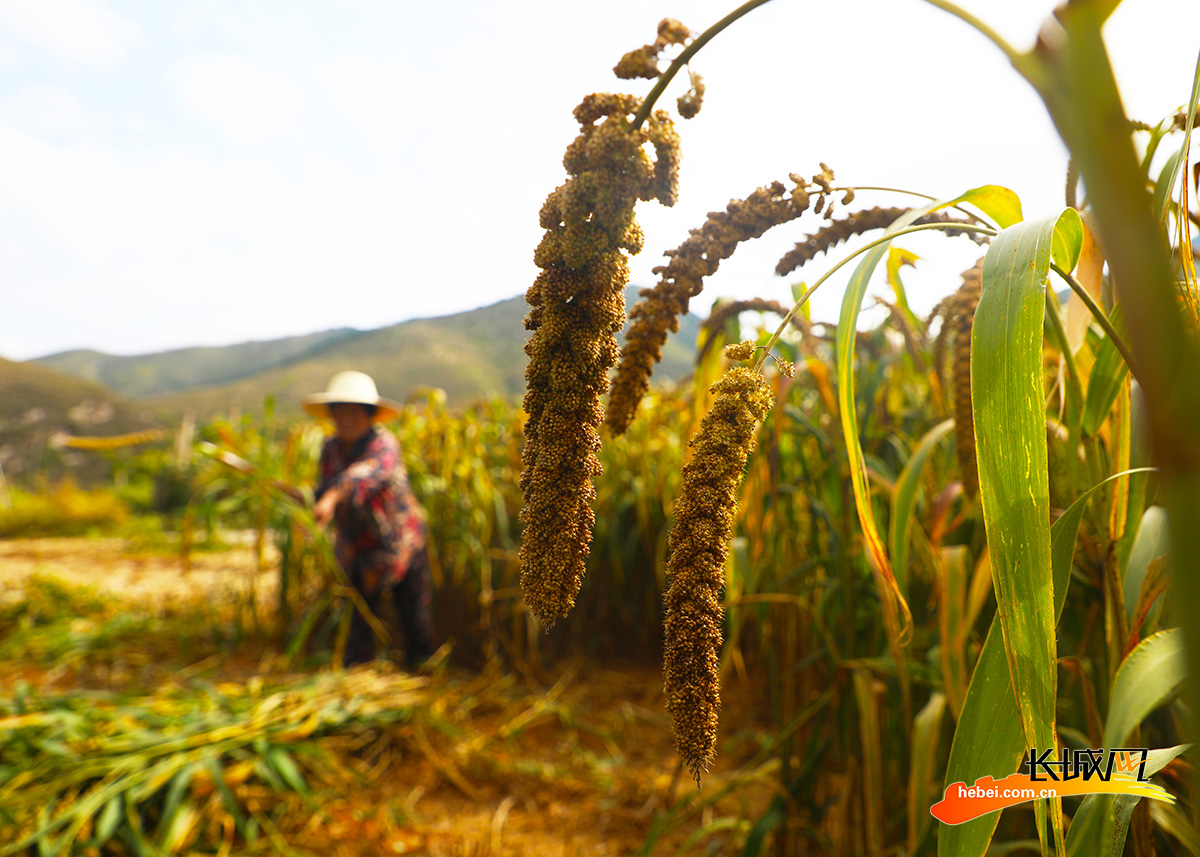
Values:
[(380, 527)]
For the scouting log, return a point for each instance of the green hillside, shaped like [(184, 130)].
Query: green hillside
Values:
[(469, 355), (145, 375), (39, 406)]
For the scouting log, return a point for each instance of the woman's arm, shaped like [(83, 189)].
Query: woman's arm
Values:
[(367, 475)]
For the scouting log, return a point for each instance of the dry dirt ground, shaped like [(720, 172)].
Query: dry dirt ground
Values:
[(590, 771), (154, 579)]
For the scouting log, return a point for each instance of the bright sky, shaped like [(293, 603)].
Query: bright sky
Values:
[(201, 172)]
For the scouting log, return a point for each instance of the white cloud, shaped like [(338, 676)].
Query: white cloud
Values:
[(168, 249), (247, 104), (139, 239), (83, 31), (385, 101), (47, 110)]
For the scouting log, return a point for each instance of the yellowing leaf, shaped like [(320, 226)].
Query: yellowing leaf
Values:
[(1089, 272)]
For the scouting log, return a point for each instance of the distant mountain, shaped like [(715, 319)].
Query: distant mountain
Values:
[(469, 355), (39, 406), (188, 368)]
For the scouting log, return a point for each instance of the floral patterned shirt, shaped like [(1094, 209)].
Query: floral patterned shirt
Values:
[(380, 524)]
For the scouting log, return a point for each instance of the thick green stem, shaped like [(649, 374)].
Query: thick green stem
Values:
[(1075, 80), (688, 52)]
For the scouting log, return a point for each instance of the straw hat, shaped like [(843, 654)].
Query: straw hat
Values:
[(351, 387)]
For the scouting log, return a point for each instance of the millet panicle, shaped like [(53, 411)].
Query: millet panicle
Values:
[(643, 61), (657, 313), (957, 311), (705, 513), (577, 305), (857, 223)]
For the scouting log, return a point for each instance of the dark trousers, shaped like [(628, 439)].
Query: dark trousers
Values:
[(413, 601)]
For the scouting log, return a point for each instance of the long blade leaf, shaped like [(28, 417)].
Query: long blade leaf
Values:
[(1002, 205), (1010, 435), (1152, 674), (989, 740), (904, 498), (1007, 402)]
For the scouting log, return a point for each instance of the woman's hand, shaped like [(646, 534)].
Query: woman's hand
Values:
[(323, 509)]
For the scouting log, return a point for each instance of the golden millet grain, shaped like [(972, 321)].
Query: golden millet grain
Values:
[(824, 179), (576, 306), (640, 62), (743, 350), (705, 512), (643, 61), (665, 139), (672, 32), (682, 278), (690, 102)]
